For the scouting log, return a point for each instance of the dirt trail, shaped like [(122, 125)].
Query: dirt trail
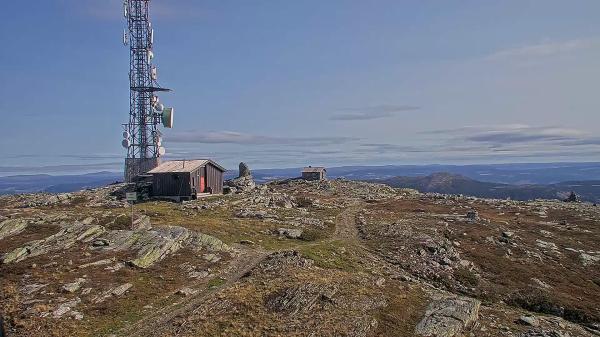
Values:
[(151, 325), (345, 225)]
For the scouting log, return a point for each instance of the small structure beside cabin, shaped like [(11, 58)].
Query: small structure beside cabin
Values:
[(187, 179), (314, 173)]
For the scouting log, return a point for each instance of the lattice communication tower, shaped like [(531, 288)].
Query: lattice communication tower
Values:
[(141, 136)]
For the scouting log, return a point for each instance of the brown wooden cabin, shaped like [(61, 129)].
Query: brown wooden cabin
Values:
[(187, 179), (314, 173)]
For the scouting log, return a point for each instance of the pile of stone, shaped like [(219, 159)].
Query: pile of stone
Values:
[(243, 183)]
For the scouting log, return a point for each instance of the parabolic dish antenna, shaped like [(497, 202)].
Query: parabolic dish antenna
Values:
[(126, 143), (162, 151), (167, 117)]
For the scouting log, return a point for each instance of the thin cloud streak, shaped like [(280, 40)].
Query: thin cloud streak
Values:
[(370, 113), (233, 137), (543, 49)]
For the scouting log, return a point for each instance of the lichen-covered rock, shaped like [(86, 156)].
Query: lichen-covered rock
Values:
[(64, 308), (290, 233), (64, 239), (448, 317), (155, 244), (73, 286), (12, 227), (113, 292)]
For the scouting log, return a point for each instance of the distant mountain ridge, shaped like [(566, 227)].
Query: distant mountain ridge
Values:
[(448, 183), (56, 184), (540, 180)]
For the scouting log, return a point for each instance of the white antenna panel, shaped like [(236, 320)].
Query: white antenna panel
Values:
[(125, 37), (154, 73), (159, 107), (152, 36), (150, 55), (125, 12)]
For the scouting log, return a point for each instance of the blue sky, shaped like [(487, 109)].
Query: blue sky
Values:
[(289, 83)]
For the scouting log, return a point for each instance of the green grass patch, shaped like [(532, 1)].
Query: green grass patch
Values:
[(216, 282), (332, 255)]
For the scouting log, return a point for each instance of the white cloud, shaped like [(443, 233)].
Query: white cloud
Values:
[(543, 49), (370, 113)]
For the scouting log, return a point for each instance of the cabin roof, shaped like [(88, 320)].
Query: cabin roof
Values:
[(180, 166), (314, 169)]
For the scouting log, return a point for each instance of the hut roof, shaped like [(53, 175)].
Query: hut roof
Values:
[(179, 166), (312, 169)]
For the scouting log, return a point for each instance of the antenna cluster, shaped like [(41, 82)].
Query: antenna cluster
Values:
[(141, 136)]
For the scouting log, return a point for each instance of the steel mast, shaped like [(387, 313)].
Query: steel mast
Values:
[(142, 139)]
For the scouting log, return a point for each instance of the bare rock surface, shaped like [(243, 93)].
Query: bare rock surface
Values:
[(64, 239), (12, 227), (448, 317)]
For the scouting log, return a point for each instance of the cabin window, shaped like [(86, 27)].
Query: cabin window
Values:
[(193, 181)]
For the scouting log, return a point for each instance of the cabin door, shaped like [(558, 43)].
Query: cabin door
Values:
[(202, 184)]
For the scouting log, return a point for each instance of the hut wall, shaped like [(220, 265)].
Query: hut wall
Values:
[(311, 175), (171, 184), (214, 179)]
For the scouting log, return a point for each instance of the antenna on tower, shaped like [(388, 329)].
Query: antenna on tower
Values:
[(141, 138)]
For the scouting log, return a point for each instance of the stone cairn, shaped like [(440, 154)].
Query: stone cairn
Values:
[(244, 182)]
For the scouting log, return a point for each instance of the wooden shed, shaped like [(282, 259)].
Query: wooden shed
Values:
[(314, 173), (187, 179)]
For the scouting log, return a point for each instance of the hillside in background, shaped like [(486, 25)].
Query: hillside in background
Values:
[(542, 174), (457, 184), (56, 184), (494, 180)]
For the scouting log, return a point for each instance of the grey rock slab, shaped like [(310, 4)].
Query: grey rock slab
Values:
[(447, 317), (529, 320), (156, 244), (12, 227), (186, 292), (64, 308), (73, 286), (290, 233), (587, 259), (113, 292), (98, 263), (64, 239)]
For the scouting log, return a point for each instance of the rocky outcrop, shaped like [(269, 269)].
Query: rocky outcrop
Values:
[(12, 227), (64, 239), (302, 298), (113, 292), (448, 317), (154, 245), (290, 233), (151, 245)]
